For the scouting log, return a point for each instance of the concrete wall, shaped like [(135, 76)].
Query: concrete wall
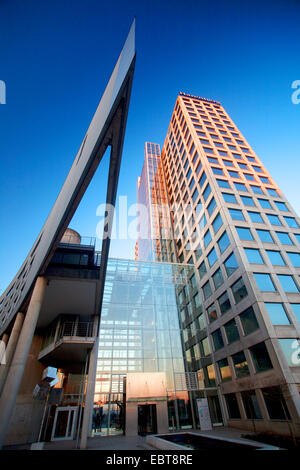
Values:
[(26, 419)]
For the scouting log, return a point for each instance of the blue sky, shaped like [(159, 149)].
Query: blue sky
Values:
[(56, 57)]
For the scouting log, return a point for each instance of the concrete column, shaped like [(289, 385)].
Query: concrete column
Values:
[(4, 338), (89, 396), (16, 370), (10, 349)]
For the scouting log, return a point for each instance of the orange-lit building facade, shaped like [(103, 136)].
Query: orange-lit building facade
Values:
[(233, 223), (154, 214)]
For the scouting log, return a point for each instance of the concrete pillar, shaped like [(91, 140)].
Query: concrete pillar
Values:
[(14, 378), (89, 396), (5, 338), (10, 348)]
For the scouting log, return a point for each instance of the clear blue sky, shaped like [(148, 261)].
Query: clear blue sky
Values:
[(56, 57)]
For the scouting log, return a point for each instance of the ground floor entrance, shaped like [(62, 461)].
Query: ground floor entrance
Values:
[(64, 423), (147, 419)]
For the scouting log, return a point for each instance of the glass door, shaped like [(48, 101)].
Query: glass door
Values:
[(64, 423)]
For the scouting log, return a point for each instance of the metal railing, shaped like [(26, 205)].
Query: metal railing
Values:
[(81, 329)]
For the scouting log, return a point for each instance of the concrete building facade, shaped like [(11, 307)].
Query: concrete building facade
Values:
[(233, 223)]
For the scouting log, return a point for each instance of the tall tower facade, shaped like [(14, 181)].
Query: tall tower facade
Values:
[(233, 222), (154, 215)]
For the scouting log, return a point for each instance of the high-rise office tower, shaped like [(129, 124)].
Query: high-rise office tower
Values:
[(154, 214), (232, 221)]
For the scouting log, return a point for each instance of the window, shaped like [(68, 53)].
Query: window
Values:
[(218, 279), (205, 347), (202, 270), (217, 171), (224, 303), (257, 168), (223, 242), (206, 290), (296, 310), (264, 236), (239, 290), (277, 313), (244, 233), (193, 281), (291, 222), (251, 405), (217, 339), (256, 217), (264, 282), (249, 177), (231, 330), (195, 195), (228, 163), (287, 283), (260, 357), (206, 192), (256, 189), (201, 322), (240, 187), (232, 406), (231, 265), (202, 179), (197, 300), (236, 214), (211, 206), (224, 370), (284, 238), (295, 259), (240, 364), (212, 313), (281, 206), (248, 201), (264, 180), (217, 223), (275, 403), (273, 219), (223, 183), (229, 198), (253, 256), (297, 236), (233, 174), (275, 258), (212, 257), (207, 149), (291, 350), (265, 203), (249, 321), (207, 238), (272, 192)]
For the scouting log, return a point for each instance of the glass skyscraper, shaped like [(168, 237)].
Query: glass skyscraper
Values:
[(232, 222)]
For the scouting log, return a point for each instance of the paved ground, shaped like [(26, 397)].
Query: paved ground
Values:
[(134, 442), (127, 442)]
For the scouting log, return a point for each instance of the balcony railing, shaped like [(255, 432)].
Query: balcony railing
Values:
[(70, 329), (81, 329)]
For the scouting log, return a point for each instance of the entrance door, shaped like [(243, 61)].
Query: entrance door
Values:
[(64, 423), (147, 421)]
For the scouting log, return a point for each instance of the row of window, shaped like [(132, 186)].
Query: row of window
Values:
[(273, 400), (248, 201), (242, 187), (265, 236), (275, 257), (258, 217)]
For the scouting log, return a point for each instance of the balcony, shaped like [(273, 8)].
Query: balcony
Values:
[(67, 343)]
